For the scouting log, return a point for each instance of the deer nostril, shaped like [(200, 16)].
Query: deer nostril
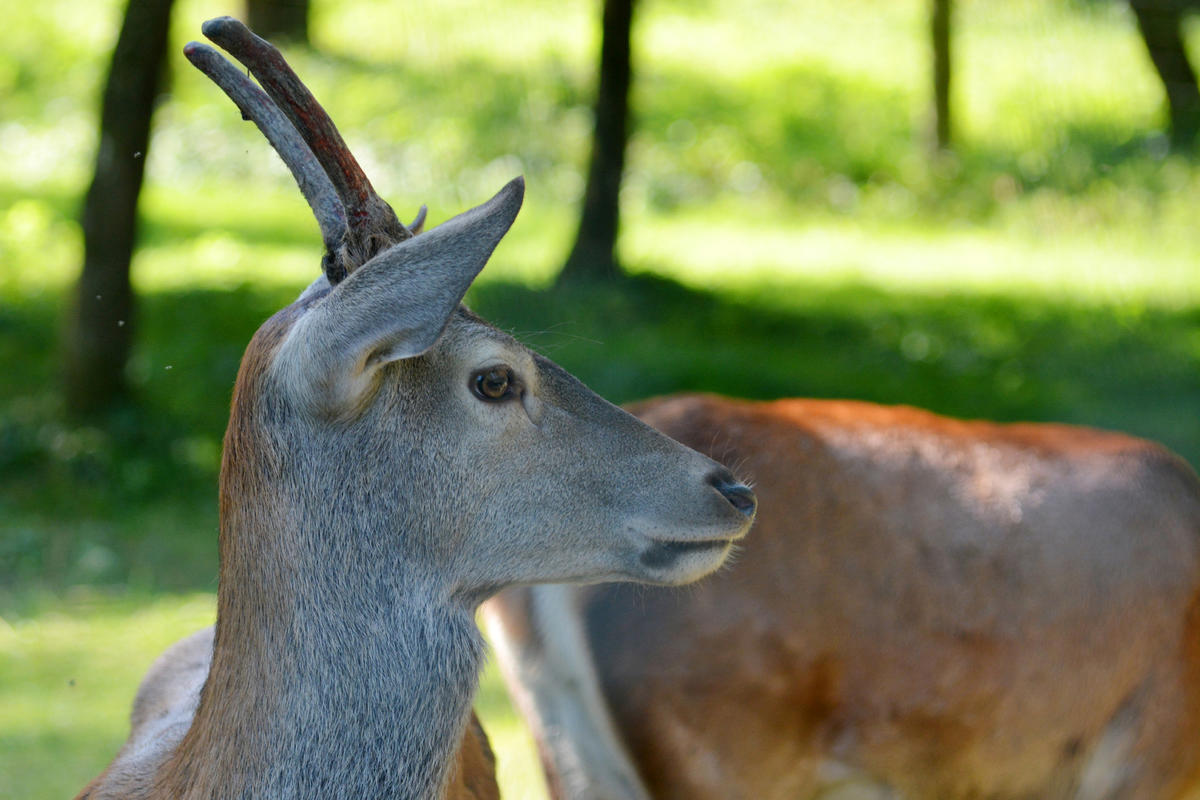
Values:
[(741, 498), (738, 494)]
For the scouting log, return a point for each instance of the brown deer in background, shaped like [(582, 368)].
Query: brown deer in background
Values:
[(928, 608), (391, 461)]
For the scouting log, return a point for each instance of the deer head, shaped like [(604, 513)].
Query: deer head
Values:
[(391, 418)]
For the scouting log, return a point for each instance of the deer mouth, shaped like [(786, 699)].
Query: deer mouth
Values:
[(662, 554)]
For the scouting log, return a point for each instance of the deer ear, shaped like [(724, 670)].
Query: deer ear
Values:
[(396, 305)]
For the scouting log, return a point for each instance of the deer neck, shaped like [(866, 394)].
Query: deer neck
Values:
[(353, 681)]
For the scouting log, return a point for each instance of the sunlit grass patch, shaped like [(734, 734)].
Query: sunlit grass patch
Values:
[(68, 672), (1103, 268), (69, 669)]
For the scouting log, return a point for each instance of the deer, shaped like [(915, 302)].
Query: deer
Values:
[(928, 608), (391, 461)]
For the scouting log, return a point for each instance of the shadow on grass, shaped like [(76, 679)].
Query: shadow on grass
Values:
[(968, 355), (132, 499)]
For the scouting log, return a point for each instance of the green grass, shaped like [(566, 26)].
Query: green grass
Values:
[(786, 231), (69, 667)]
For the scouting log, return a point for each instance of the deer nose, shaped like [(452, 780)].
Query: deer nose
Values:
[(737, 493)]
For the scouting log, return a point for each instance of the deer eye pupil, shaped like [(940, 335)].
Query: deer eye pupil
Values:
[(493, 383)]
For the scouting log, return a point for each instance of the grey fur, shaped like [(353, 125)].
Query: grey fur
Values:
[(396, 305)]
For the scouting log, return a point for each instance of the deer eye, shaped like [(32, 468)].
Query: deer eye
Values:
[(493, 384)]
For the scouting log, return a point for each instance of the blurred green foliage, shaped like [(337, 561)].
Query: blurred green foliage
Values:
[(787, 231), (791, 232)]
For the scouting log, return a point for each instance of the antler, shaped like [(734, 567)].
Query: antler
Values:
[(255, 105), (308, 141)]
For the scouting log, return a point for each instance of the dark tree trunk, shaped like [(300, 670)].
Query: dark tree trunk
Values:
[(1159, 23), (940, 29), (99, 330), (278, 19), (594, 252)]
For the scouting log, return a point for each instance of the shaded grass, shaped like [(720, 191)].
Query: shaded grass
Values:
[(997, 357), (133, 500)]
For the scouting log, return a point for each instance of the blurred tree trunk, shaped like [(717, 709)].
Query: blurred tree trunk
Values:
[(594, 252), (940, 29), (278, 19), (99, 328), (1160, 24)]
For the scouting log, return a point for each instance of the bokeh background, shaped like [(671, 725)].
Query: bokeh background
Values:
[(789, 226)]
